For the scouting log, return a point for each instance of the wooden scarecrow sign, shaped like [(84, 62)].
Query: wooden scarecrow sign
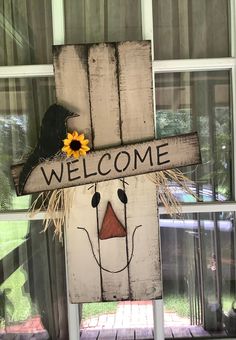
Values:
[(100, 138)]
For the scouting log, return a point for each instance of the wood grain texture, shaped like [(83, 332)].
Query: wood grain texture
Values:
[(72, 87), (125, 334), (136, 96), (143, 334), (89, 334), (181, 332), (84, 273), (107, 334), (145, 268), (168, 333), (115, 286), (104, 96), (127, 160), (198, 332)]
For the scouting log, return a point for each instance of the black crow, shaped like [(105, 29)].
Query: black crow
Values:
[(52, 132)]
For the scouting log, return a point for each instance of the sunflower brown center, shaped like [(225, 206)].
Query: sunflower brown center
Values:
[(75, 145)]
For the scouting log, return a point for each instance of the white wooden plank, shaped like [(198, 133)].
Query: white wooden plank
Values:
[(145, 270), (136, 96), (137, 114), (115, 286), (71, 80), (105, 114), (104, 97), (83, 270), (128, 160)]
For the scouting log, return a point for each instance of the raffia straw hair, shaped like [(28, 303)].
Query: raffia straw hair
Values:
[(57, 203), (165, 195)]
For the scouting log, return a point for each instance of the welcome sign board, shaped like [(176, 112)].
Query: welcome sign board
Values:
[(112, 234), (125, 161)]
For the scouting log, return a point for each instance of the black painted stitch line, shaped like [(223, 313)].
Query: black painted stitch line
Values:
[(123, 181), (88, 50), (118, 70), (99, 264), (99, 249), (127, 245)]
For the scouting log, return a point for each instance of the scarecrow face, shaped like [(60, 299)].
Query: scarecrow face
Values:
[(112, 242), (111, 228)]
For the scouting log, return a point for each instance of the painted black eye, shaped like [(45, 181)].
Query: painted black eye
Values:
[(122, 196), (95, 199)]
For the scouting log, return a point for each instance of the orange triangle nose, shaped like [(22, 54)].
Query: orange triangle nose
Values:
[(111, 226)]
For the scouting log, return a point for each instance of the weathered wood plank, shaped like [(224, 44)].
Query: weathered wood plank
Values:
[(84, 273), (145, 271), (136, 95), (218, 334), (125, 334), (198, 331), (107, 334), (105, 115), (104, 96), (124, 161), (72, 91), (71, 80), (181, 332), (168, 333), (115, 283), (144, 334), (89, 334)]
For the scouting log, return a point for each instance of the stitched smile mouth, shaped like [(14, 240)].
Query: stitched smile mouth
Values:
[(95, 257)]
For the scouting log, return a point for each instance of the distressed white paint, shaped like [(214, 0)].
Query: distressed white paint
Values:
[(105, 115), (113, 251), (145, 265), (71, 80), (83, 271), (135, 85), (128, 160), (104, 95)]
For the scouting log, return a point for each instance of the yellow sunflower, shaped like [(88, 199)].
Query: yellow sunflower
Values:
[(75, 145)]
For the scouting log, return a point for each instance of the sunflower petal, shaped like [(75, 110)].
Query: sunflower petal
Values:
[(85, 148), (85, 141), (69, 153), (65, 148), (75, 134), (81, 137), (82, 152), (76, 154), (66, 141), (69, 136)]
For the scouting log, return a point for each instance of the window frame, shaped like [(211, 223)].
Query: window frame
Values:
[(159, 66)]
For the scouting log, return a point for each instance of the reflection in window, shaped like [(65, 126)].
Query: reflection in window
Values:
[(191, 29), (199, 101), (199, 267), (23, 103), (26, 32), (28, 301)]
